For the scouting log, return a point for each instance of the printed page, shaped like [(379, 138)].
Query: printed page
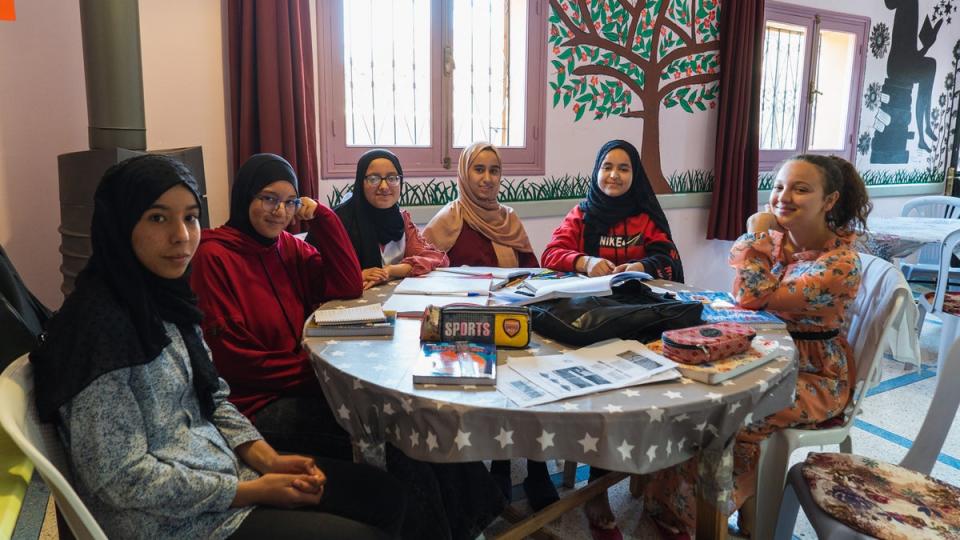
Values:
[(444, 286), (412, 305), (628, 356), (520, 390)]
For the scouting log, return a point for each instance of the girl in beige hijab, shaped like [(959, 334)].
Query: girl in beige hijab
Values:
[(475, 229)]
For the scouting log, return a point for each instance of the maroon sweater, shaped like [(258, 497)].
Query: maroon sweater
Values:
[(475, 249), (255, 299)]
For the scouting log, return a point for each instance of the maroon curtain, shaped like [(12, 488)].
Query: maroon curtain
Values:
[(738, 128), (271, 84)]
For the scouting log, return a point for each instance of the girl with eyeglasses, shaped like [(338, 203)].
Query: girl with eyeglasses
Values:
[(257, 283), (155, 448), (386, 240)]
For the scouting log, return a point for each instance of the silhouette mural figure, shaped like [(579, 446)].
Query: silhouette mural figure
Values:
[(906, 66)]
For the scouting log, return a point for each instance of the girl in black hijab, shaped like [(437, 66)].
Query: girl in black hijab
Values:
[(156, 449), (619, 227), (387, 242)]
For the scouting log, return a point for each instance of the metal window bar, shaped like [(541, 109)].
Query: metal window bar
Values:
[(783, 50)]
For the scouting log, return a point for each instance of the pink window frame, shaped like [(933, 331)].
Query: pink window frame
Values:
[(828, 20), (337, 160)]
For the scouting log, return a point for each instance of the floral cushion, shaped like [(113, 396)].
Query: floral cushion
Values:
[(883, 500), (951, 302)]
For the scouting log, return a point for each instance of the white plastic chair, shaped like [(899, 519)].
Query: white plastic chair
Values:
[(920, 458), (879, 306), (946, 305), (40, 443), (934, 206)]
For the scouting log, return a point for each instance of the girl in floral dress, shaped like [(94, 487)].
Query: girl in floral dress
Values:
[(796, 261)]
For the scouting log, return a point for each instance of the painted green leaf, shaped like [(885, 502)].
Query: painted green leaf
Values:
[(580, 114), (700, 105), (566, 99), (557, 64), (685, 106), (564, 54), (584, 98), (554, 85), (561, 77), (556, 99)]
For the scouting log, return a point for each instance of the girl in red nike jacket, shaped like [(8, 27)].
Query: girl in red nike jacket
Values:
[(619, 227)]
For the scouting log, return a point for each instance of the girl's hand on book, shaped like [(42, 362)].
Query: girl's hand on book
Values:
[(597, 266), (629, 267)]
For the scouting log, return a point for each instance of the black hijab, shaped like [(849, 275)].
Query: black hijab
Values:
[(367, 225), (600, 211), (114, 318), (256, 173)]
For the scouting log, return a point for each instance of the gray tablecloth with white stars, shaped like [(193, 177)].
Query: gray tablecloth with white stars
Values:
[(368, 385)]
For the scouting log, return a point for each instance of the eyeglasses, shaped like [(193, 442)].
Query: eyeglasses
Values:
[(375, 179), (270, 203)]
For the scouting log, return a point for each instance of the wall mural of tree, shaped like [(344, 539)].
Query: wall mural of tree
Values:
[(627, 58)]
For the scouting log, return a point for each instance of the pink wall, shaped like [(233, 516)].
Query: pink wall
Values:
[(43, 113)]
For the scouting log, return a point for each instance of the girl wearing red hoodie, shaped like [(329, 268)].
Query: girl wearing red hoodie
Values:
[(257, 283)]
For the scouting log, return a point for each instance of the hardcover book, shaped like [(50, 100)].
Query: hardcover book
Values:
[(760, 352), (457, 363), (720, 306)]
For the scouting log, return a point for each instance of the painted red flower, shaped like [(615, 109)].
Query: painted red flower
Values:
[(556, 50)]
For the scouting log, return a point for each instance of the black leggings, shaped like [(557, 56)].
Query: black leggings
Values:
[(358, 501), (303, 425)]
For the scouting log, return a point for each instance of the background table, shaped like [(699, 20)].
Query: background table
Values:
[(892, 237), (634, 430)]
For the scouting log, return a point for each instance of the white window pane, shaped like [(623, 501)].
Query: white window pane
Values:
[(386, 59), (828, 127), (489, 78), (781, 92)]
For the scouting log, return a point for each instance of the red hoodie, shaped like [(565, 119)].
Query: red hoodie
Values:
[(255, 299)]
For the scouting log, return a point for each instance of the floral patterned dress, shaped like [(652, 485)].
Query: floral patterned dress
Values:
[(810, 293)]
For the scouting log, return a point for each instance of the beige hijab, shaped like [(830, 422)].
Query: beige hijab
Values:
[(499, 223)]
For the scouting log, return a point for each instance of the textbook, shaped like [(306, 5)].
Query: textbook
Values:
[(368, 320), (719, 306), (381, 328), (761, 352), (456, 362), (370, 313)]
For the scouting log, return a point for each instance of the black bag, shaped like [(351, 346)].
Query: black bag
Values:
[(22, 316), (633, 311)]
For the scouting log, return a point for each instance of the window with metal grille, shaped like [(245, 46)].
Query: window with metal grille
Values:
[(813, 66), (426, 78)]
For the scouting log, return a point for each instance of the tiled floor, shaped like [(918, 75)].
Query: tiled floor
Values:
[(891, 418)]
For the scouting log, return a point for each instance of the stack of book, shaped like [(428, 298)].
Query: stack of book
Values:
[(368, 320)]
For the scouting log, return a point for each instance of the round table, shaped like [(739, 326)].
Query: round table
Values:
[(640, 429)]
